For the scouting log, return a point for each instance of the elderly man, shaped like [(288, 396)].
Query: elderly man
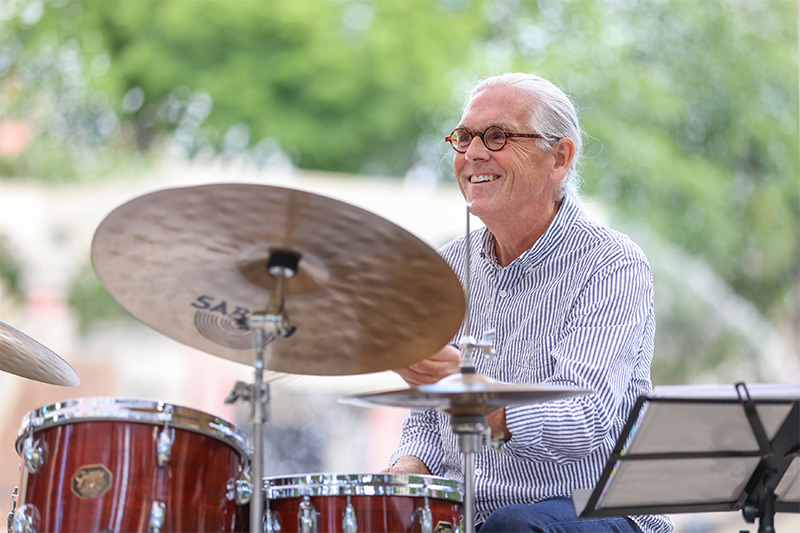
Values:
[(570, 301)]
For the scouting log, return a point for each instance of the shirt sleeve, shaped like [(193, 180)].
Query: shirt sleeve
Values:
[(603, 341), (421, 438)]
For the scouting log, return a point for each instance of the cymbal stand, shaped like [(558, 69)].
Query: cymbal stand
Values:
[(267, 326), (468, 343), (470, 428)]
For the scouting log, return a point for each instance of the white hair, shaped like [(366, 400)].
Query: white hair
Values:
[(553, 116)]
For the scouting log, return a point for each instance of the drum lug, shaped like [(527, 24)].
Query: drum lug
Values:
[(34, 454), (271, 523), (349, 523), (425, 517), (307, 516), (158, 512), (165, 440), (164, 446), (10, 523), (240, 489), (244, 490), (26, 519)]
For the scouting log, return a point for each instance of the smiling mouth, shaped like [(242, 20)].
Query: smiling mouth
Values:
[(482, 178)]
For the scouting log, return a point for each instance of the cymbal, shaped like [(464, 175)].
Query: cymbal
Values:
[(466, 395), (367, 296), (22, 356)]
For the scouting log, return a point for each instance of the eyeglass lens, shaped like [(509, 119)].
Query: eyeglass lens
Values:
[(494, 138)]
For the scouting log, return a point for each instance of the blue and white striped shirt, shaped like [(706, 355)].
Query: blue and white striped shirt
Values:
[(577, 310)]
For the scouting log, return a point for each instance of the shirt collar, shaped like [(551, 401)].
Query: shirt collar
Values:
[(553, 236)]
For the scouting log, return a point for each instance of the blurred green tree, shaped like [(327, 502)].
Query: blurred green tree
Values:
[(691, 112), (344, 86)]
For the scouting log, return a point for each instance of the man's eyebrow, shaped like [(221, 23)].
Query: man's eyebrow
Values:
[(505, 127)]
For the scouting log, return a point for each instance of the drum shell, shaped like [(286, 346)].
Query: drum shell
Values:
[(195, 484), (381, 502)]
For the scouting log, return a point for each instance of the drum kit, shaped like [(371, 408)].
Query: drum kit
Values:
[(283, 280)]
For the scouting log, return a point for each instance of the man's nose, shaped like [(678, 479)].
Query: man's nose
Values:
[(477, 150)]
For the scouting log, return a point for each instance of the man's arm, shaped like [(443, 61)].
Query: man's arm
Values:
[(440, 365), (607, 334), (408, 464)]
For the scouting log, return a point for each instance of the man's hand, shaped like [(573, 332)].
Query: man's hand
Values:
[(441, 364), (497, 423), (408, 464)]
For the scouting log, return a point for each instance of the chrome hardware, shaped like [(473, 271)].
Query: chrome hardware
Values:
[(158, 513), (26, 519), (425, 517), (244, 490), (349, 524), (34, 454), (10, 523), (239, 488), (307, 516), (469, 344), (166, 438), (164, 446), (271, 523), (230, 488), (240, 391)]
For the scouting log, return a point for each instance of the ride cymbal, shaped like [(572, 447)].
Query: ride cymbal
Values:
[(22, 356), (368, 296), (466, 395)]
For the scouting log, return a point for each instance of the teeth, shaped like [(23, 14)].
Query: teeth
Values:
[(482, 178)]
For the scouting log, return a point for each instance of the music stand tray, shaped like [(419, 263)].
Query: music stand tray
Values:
[(695, 449)]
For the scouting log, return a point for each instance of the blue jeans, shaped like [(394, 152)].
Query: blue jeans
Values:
[(556, 515)]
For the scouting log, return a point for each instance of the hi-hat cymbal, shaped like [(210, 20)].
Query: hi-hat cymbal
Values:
[(22, 356), (368, 296), (466, 395)]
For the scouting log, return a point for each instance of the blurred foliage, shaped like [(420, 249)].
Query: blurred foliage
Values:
[(690, 109), (92, 300), (336, 85), (10, 272)]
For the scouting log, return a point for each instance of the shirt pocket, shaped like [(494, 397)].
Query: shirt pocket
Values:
[(531, 359)]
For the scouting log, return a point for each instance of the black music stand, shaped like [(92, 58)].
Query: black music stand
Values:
[(695, 449)]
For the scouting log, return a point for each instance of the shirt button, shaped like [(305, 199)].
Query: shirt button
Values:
[(478, 471), (503, 293)]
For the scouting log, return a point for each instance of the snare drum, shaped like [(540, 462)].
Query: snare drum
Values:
[(109, 464), (362, 502)]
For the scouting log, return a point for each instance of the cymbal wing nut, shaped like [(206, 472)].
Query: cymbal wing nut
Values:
[(283, 263)]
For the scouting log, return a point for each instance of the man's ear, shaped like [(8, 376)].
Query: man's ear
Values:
[(563, 154)]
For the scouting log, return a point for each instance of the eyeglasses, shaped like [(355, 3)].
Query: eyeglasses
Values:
[(493, 137)]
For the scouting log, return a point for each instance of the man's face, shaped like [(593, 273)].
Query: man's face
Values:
[(519, 180)]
